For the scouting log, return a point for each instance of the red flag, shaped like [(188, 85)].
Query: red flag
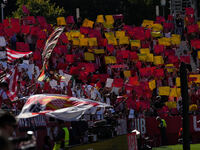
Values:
[(70, 20), (185, 59), (189, 11), (118, 82), (193, 28)]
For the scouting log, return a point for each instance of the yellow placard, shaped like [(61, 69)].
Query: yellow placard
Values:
[(199, 54), (193, 107), (178, 82), (107, 25), (149, 58), (89, 56), (164, 90), (174, 92), (92, 41), (127, 73), (196, 77), (164, 41), (75, 34), (75, 41), (99, 51), (68, 35), (157, 27), (88, 23), (119, 34), (109, 19), (178, 90), (156, 34), (135, 43), (158, 60), (83, 42), (142, 57), (170, 67), (109, 35), (175, 40), (61, 21), (112, 41), (152, 85), (124, 40), (145, 51), (171, 104), (147, 23), (100, 19), (198, 24), (110, 60)]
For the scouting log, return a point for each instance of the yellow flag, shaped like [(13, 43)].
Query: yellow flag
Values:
[(156, 34), (147, 23), (88, 23), (107, 25), (178, 90), (109, 35), (193, 107), (152, 85), (110, 60), (199, 54), (198, 24), (135, 43), (83, 42), (157, 27), (171, 104), (100, 19), (89, 56), (68, 35), (99, 51), (173, 92), (120, 34), (127, 73), (124, 40), (142, 57), (158, 60), (170, 67), (75, 34), (164, 41), (175, 40), (145, 51), (178, 82), (149, 58), (75, 41), (61, 21), (112, 41), (196, 77), (164, 90), (109, 19), (92, 41)]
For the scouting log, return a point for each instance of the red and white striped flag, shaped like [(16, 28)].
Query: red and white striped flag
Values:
[(13, 55), (11, 78), (12, 84)]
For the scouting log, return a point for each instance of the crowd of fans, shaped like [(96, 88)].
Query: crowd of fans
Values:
[(107, 61)]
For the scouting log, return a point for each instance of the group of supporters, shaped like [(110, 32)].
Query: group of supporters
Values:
[(133, 68)]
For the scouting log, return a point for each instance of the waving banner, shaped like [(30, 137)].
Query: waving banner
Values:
[(58, 106), (49, 46)]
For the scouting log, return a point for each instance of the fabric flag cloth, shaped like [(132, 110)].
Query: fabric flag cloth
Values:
[(48, 49), (58, 106), (13, 55), (11, 78)]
